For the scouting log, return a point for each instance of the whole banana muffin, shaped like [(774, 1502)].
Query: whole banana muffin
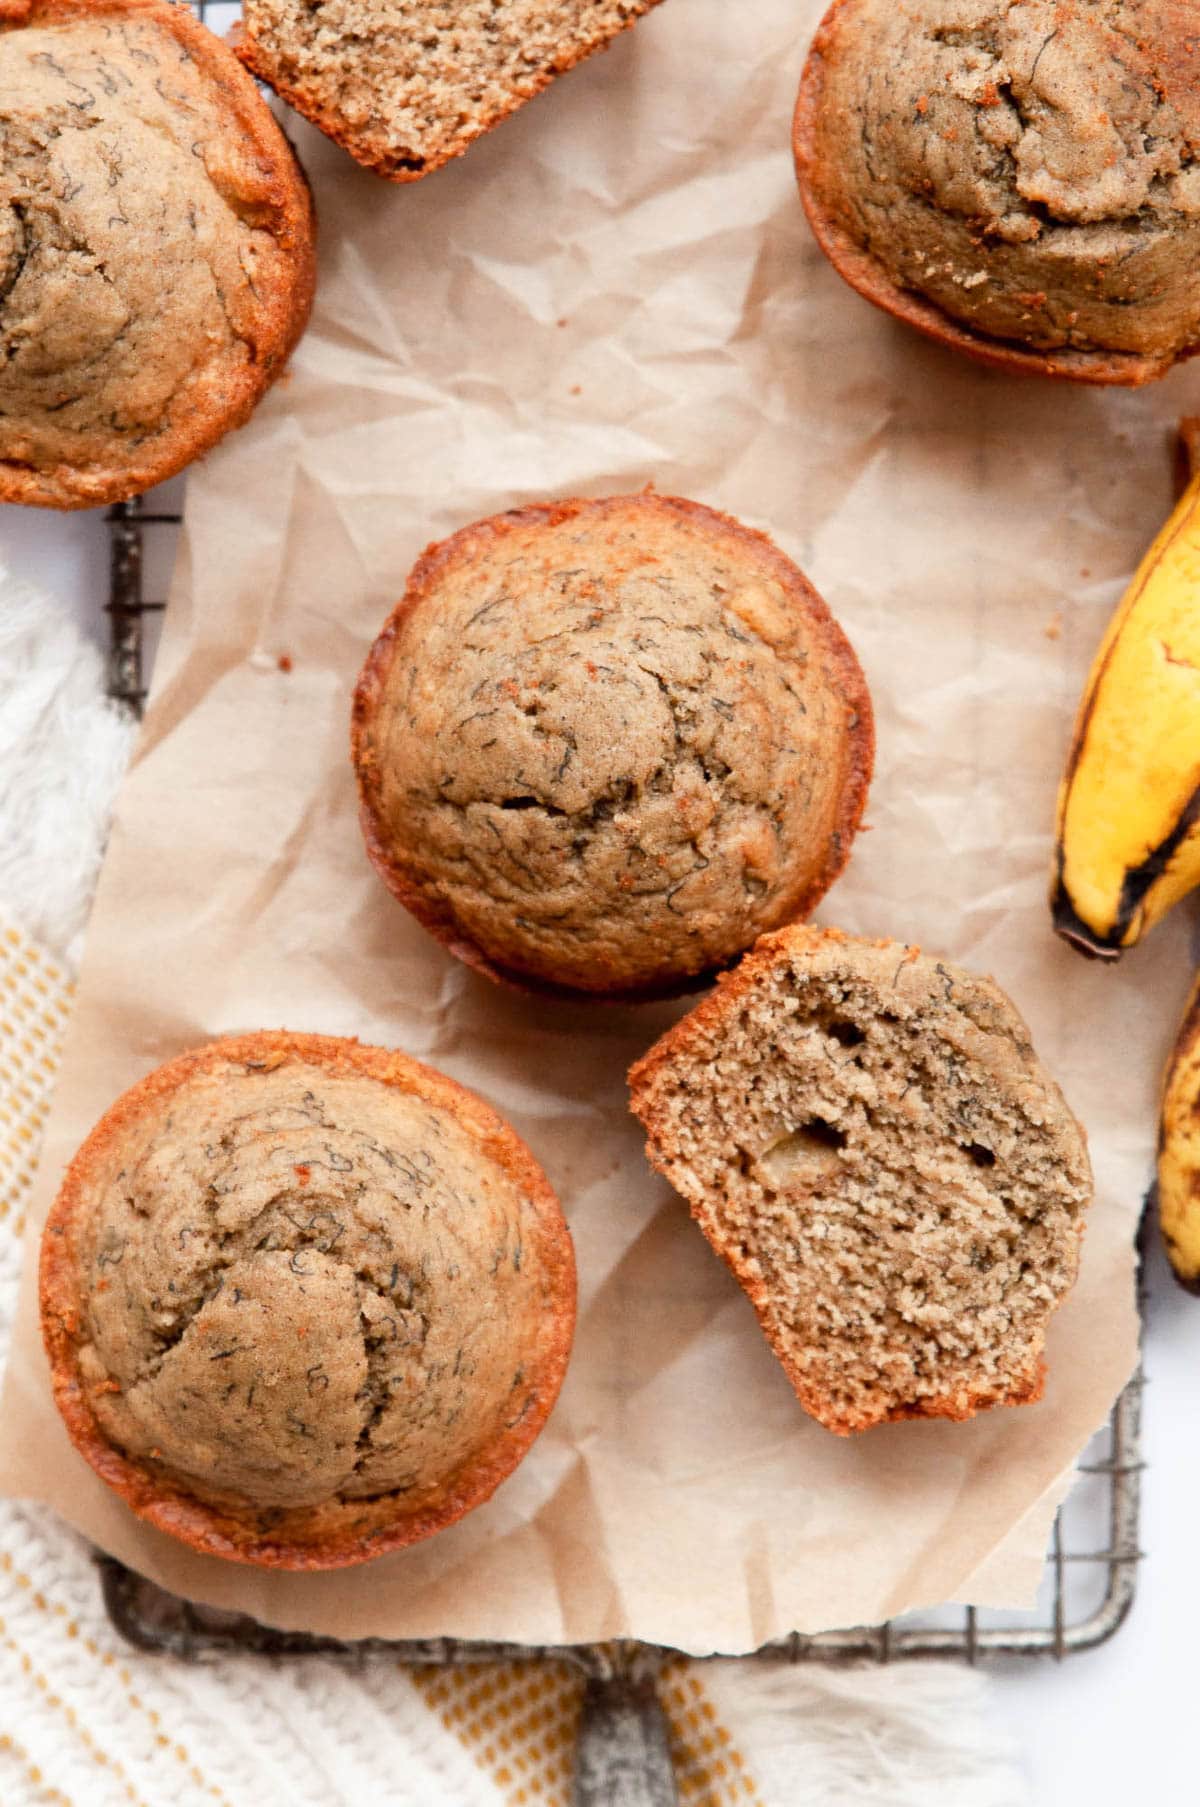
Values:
[(1017, 178), (602, 745), (156, 247), (304, 1301)]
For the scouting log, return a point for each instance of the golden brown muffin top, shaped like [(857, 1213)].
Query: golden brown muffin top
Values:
[(297, 1274), (155, 247), (1031, 167), (603, 745)]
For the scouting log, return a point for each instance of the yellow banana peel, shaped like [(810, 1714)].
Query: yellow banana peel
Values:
[(1179, 1152), (1128, 841)]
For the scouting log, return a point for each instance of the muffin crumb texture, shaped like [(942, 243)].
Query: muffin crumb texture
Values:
[(405, 85), (867, 1138), (155, 248), (1031, 167), (299, 1286), (603, 745)]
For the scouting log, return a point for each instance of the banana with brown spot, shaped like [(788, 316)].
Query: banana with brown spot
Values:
[(1128, 841)]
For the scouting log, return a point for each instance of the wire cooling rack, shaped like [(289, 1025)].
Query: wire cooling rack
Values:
[(623, 1758)]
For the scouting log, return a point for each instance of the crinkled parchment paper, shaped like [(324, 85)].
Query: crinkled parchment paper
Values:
[(618, 287)]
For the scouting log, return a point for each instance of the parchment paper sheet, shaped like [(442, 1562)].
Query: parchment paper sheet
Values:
[(619, 288)]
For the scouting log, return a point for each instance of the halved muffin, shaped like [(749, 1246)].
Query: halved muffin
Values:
[(867, 1138), (406, 85), (304, 1301)]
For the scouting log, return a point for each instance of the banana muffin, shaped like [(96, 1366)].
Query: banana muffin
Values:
[(304, 1301), (601, 745), (1017, 178), (156, 247), (405, 85), (867, 1138)]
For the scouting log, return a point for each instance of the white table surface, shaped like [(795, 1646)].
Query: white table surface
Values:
[(1116, 1725)]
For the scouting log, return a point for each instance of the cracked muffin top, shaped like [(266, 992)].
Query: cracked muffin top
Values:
[(304, 1301), (602, 745), (1019, 178), (156, 247)]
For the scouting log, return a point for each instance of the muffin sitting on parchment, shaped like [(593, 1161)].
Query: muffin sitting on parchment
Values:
[(602, 745), (405, 85), (1017, 178), (868, 1140), (304, 1301), (156, 247)]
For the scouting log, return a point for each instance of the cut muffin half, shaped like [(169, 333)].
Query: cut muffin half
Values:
[(866, 1136), (407, 85)]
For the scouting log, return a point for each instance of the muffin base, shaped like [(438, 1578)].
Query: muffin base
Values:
[(338, 1533)]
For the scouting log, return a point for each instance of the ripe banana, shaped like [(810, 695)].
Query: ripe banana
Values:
[(1128, 844), (1179, 1152)]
